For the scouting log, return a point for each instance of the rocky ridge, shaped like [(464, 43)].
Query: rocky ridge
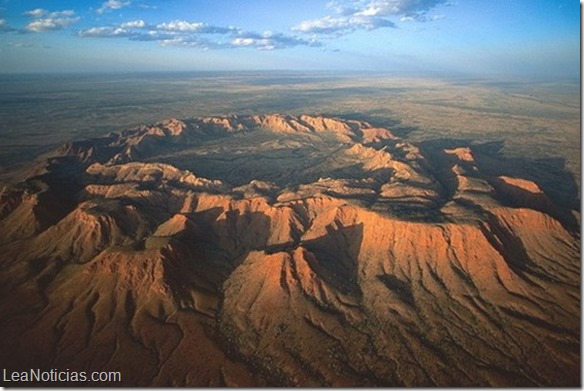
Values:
[(322, 252)]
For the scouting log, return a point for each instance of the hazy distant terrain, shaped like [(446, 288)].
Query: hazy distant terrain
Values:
[(536, 119)]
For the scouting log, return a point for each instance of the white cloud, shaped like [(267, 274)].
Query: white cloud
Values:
[(196, 34), (177, 41), (138, 24), (369, 15), (270, 41), (112, 5), (409, 8), (2, 22), (180, 25), (48, 21), (243, 41), (105, 32), (323, 25), (36, 12), (341, 25), (341, 9)]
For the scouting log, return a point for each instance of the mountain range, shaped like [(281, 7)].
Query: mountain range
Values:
[(280, 250)]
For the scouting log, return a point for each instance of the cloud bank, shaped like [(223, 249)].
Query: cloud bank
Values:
[(113, 5), (345, 17), (44, 20), (197, 34), (368, 15)]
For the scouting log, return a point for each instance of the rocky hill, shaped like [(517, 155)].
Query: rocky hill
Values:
[(286, 250)]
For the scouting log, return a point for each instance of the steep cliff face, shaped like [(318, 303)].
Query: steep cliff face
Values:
[(322, 252)]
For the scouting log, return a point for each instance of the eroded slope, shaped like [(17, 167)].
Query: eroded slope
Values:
[(281, 250)]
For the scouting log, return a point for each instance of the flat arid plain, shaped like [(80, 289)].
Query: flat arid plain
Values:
[(531, 120), (291, 229)]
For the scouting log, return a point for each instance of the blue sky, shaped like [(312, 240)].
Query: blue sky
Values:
[(481, 37)]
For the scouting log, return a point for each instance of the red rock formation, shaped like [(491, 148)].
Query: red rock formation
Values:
[(389, 271)]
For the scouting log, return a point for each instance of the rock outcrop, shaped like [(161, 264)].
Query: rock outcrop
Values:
[(286, 250)]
